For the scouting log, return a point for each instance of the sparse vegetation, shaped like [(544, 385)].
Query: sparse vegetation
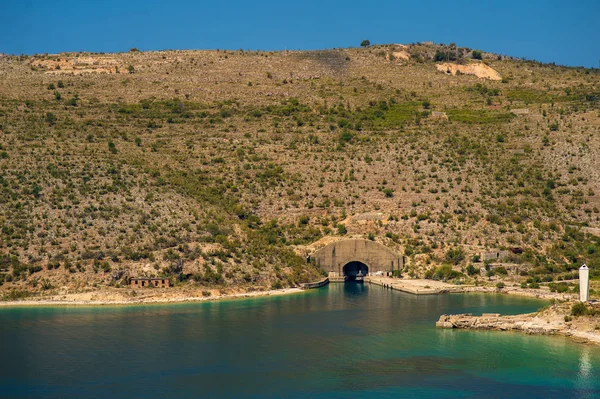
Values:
[(226, 186)]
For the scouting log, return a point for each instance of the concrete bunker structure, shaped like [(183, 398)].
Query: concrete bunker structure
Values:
[(140, 282), (347, 258)]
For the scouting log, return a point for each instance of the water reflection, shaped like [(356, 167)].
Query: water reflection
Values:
[(345, 340)]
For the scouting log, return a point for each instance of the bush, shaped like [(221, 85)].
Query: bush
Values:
[(455, 256), (342, 229), (346, 136), (112, 147), (365, 43), (477, 55), (472, 270), (444, 56), (579, 309), (72, 101), (303, 220), (500, 285), (50, 118), (445, 272)]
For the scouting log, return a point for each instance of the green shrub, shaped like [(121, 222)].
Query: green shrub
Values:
[(477, 55), (50, 118), (444, 273), (455, 256), (72, 101), (472, 270), (365, 43), (579, 309), (112, 147)]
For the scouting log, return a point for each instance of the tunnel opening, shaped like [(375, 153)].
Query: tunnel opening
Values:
[(355, 269)]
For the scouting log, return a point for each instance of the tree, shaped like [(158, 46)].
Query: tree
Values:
[(476, 54), (365, 43), (131, 69)]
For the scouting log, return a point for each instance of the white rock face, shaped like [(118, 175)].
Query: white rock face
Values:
[(584, 283)]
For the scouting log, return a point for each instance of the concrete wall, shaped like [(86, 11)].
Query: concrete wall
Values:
[(333, 257), (306, 286), (494, 255)]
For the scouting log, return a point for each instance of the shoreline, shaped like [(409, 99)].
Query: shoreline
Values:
[(554, 320), (148, 300), (546, 321), (175, 295)]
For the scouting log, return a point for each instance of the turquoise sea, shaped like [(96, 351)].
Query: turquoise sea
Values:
[(340, 341)]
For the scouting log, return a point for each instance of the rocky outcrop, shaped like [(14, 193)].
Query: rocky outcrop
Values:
[(528, 324), (480, 70), (532, 323)]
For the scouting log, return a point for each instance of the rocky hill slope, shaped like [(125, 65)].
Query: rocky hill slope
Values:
[(224, 168)]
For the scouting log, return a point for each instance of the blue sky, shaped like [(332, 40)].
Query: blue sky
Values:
[(565, 32)]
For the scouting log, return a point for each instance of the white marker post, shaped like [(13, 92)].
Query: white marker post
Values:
[(584, 283)]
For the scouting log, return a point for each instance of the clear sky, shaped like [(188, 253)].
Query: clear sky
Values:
[(563, 31)]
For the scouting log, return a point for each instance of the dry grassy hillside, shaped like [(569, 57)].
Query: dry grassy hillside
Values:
[(226, 167)]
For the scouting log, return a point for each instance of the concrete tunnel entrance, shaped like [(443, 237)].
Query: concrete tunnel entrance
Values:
[(352, 269)]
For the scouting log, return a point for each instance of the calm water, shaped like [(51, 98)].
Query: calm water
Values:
[(337, 342)]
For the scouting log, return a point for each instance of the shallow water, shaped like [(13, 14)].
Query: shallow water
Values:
[(344, 340)]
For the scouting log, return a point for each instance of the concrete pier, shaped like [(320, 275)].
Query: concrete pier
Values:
[(412, 286)]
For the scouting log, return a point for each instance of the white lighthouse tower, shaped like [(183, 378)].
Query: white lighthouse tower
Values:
[(584, 283)]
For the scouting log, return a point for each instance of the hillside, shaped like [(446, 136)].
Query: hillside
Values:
[(228, 167)]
